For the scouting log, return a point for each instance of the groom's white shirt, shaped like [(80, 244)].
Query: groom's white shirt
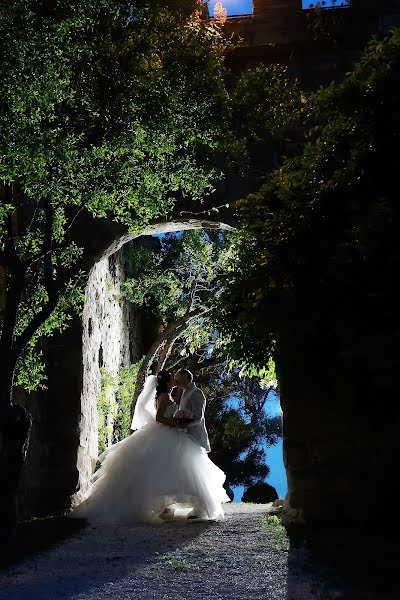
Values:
[(193, 399)]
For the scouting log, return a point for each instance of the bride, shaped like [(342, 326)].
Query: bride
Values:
[(158, 469)]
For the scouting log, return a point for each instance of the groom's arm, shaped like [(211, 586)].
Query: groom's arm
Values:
[(198, 403)]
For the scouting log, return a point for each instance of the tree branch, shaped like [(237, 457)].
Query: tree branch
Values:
[(12, 259), (68, 227), (34, 215), (171, 332), (30, 330), (175, 362), (49, 282), (192, 294)]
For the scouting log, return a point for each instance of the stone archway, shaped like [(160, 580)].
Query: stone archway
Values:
[(107, 325), (327, 469), (64, 434)]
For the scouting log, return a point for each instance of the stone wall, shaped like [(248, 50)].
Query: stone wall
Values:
[(107, 321), (50, 475), (341, 444), (279, 32), (339, 456), (63, 444), (64, 441)]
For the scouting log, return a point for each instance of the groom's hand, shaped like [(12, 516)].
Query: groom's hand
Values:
[(181, 425)]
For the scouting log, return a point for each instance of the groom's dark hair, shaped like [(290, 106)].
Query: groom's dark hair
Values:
[(188, 374)]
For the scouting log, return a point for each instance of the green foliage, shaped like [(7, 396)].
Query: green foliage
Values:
[(124, 393), (65, 69), (318, 253), (238, 426), (326, 25), (114, 405), (177, 563), (265, 102), (111, 110), (276, 532), (104, 111), (30, 371), (152, 285), (260, 493), (106, 408), (234, 444), (180, 283)]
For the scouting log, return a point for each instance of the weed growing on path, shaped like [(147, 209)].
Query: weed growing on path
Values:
[(189, 547), (210, 559), (176, 563), (273, 526)]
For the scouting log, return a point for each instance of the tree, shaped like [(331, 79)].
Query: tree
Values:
[(177, 284), (178, 287), (239, 427), (260, 493), (104, 111), (318, 253), (109, 109)]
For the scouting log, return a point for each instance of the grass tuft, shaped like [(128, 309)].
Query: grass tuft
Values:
[(176, 563), (272, 525)]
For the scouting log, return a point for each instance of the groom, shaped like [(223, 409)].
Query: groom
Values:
[(193, 399)]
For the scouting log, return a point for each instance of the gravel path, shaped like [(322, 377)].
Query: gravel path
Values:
[(237, 558)]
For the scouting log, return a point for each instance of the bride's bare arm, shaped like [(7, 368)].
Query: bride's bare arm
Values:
[(162, 403)]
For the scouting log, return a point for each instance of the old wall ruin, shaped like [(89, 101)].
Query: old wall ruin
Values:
[(334, 471)]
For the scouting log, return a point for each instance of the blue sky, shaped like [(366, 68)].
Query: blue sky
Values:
[(245, 7), (233, 7), (277, 477), (328, 3)]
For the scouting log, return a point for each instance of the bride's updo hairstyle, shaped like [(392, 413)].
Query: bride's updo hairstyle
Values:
[(163, 379)]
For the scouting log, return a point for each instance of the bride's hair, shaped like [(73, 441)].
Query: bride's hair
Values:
[(163, 378)]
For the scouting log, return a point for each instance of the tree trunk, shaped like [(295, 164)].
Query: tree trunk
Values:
[(15, 426), (15, 423), (160, 351)]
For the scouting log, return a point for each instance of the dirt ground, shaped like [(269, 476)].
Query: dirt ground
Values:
[(245, 556)]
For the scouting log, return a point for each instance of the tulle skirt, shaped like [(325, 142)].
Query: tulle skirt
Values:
[(154, 469)]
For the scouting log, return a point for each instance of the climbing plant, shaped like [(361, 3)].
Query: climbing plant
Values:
[(317, 252), (114, 404)]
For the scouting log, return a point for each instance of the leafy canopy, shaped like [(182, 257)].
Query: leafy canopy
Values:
[(180, 284), (317, 253), (238, 423), (108, 109)]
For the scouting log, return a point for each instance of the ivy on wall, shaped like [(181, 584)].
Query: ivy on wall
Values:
[(114, 405)]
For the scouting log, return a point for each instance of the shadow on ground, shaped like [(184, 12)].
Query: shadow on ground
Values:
[(347, 563), (61, 558), (38, 535)]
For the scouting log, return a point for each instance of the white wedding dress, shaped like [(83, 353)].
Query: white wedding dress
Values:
[(155, 468)]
